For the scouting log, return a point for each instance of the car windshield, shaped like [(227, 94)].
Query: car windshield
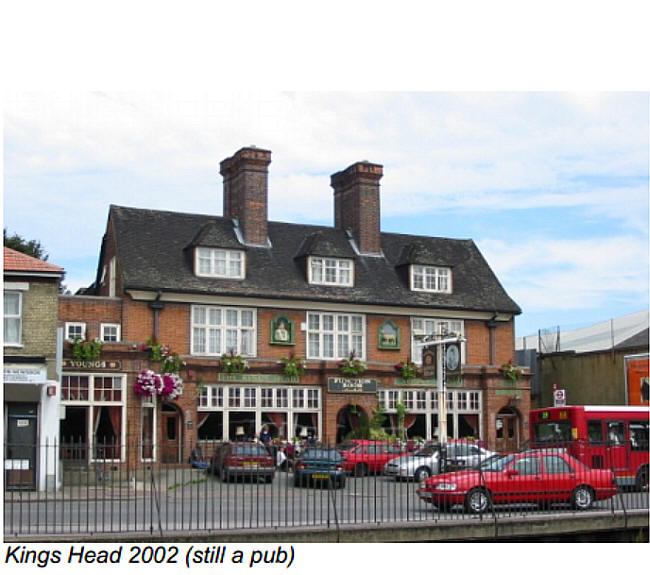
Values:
[(495, 462), (347, 446), (329, 454)]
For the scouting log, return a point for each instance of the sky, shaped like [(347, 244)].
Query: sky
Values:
[(522, 126), (551, 186)]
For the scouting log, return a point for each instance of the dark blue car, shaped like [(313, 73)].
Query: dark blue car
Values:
[(319, 465)]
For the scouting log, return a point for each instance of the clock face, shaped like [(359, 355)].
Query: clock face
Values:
[(452, 357)]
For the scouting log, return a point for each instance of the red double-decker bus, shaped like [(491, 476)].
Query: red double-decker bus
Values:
[(601, 436)]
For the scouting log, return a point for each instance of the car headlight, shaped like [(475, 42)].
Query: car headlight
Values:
[(446, 487)]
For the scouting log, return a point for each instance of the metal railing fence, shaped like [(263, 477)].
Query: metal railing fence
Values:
[(87, 495)]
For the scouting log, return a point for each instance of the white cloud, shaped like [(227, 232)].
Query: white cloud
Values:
[(73, 154), (555, 275)]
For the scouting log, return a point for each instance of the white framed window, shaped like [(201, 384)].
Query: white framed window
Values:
[(220, 263), (234, 397), (431, 279), (421, 327), (282, 397), (250, 397), (219, 330), (331, 271), (110, 332), (298, 399), (13, 318), (267, 397), (313, 398), (99, 415), (75, 330), (335, 336)]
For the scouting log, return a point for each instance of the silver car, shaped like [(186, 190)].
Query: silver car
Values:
[(426, 462)]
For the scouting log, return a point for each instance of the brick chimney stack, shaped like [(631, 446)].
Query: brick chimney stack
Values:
[(356, 204), (245, 192)]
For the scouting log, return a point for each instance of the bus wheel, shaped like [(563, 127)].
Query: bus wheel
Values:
[(582, 498), (642, 479)]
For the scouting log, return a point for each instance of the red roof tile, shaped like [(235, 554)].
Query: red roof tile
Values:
[(15, 261)]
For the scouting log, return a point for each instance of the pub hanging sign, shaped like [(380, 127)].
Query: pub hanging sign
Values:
[(351, 385)]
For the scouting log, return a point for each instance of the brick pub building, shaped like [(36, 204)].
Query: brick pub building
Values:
[(205, 286)]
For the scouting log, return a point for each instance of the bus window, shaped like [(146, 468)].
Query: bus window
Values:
[(594, 431), (615, 432), (639, 435), (557, 431)]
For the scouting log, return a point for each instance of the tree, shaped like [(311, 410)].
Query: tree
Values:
[(32, 248)]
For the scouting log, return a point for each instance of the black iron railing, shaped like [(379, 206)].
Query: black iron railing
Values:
[(71, 488)]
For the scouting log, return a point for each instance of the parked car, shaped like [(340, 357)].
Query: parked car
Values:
[(363, 456), (319, 465), (537, 476), (242, 459), (426, 461)]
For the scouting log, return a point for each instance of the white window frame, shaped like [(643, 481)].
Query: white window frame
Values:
[(117, 327), (289, 400), (336, 333), (222, 327), (320, 266), (70, 324), (432, 278), (213, 254), (434, 326), (14, 317), (91, 402), (420, 401)]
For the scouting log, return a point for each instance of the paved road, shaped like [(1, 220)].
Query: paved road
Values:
[(192, 500)]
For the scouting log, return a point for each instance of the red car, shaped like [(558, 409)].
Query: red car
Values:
[(363, 456), (539, 476)]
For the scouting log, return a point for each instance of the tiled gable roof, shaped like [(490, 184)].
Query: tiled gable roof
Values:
[(15, 261), (151, 250), (214, 234), (327, 245)]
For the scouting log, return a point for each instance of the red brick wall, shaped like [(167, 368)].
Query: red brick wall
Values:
[(89, 309)]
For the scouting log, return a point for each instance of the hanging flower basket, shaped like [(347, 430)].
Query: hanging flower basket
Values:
[(231, 363), (148, 383), (512, 372), (293, 366), (407, 369), (172, 385), (352, 365)]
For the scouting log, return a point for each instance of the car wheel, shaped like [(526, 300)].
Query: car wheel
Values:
[(360, 470), (225, 476), (341, 483), (421, 473), (642, 479), (269, 477), (477, 501), (582, 497)]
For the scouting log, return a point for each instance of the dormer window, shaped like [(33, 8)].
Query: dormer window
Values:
[(331, 271), (219, 263), (431, 279)]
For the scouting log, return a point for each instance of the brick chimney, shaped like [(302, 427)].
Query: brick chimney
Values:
[(245, 192), (356, 204)]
